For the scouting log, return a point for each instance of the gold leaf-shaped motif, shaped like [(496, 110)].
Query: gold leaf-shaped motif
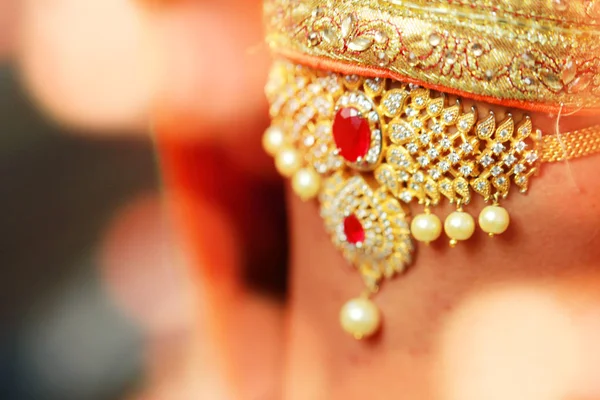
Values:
[(401, 158), (485, 129), (501, 183), (482, 186), (393, 101), (416, 189), (522, 181), (524, 129), (419, 98), (432, 192), (374, 86), (450, 115), (435, 106), (465, 122), (360, 43), (461, 187), (392, 206), (347, 26), (505, 130), (386, 176), (401, 132), (445, 187)]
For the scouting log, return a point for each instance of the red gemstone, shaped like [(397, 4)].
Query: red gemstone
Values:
[(353, 230), (351, 133)]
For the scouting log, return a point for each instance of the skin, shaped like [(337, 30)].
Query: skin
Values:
[(542, 270)]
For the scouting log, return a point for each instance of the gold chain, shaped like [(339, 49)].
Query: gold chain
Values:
[(567, 146)]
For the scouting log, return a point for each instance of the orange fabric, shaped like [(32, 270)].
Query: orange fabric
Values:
[(349, 69)]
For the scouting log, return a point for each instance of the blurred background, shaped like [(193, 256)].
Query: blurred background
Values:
[(119, 179)]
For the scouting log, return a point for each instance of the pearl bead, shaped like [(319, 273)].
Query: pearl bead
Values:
[(360, 318), (272, 140), (426, 227), (306, 183), (287, 162), (459, 226), (494, 220)]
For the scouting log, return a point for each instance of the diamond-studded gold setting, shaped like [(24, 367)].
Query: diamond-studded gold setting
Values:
[(425, 149)]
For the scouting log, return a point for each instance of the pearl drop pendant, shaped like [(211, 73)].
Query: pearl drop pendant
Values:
[(494, 220), (360, 318), (426, 227), (459, 226)]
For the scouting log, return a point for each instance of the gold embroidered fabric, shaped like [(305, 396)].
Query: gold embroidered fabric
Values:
[(539, 55)]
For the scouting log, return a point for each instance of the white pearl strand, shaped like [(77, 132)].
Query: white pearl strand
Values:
[(306, 182)]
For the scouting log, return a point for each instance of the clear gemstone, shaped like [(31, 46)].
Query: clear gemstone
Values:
[(531, 158), (453, 157), (435, 39), (520, 146), (432, 152), (423, 160), (500, 180), (446, 143), (448, 117), (496, 170), (466, 148), (498, 148), (411, 112), (481, 185), (437, 128), (435, 173), (417, 123), (510, 160), (466, 170), (406, 196), (519, 168), (434, 108), (504, 133), (463, 124), (412, 148), (420, 101), (424, 138), (486, 160), (419, 177), (444, 166)]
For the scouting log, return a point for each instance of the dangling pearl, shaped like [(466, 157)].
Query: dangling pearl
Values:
[(306, 183), (272, 140), (494, 220), (459, 226), (360, 318), (287, 162), (426, 227)]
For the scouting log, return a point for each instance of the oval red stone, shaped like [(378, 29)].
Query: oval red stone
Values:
[(353, 230), (351, 133)]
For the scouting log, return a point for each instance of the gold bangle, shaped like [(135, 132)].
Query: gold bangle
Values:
[(368, 147)]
